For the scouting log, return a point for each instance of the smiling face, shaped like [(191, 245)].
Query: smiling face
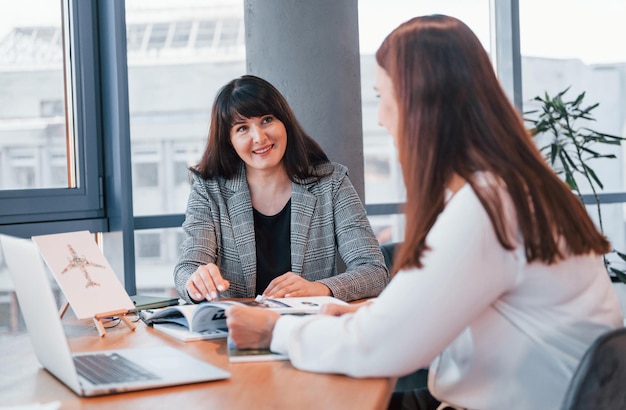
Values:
[(387, 104), (259, 141)]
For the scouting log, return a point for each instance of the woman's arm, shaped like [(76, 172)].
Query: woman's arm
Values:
[(419, 313), (366, 274), (200, 244)]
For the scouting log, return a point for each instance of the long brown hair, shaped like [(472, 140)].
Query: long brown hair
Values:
[(251, 96), (454, 117)]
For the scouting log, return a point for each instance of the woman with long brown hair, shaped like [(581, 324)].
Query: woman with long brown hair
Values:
[(499, 285)]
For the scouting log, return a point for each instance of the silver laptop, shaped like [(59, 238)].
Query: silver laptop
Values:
[(89, 374)]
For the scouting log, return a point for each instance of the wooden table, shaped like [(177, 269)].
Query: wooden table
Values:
[(258, 385)]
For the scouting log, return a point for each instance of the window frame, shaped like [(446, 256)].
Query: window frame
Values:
[(26, 212)]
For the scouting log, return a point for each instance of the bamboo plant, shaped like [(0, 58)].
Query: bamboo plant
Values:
[(569, 148)]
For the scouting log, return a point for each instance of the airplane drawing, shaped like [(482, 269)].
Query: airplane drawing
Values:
[(81, 263)]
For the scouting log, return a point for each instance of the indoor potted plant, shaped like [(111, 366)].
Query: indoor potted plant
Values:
[(569, 148)]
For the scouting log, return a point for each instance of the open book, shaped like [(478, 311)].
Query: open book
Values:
[(306, 305), (251, 355), (207, 320)]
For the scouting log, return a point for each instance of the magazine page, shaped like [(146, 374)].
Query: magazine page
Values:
[(180, 314), (194, 318), (209, 316), (306, 305), (182, 333)]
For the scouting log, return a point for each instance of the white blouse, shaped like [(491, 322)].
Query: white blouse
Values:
[(496, 331)]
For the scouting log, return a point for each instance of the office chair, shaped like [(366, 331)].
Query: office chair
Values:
[(599, 382), (388, 250)]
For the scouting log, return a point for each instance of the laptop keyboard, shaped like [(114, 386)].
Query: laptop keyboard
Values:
[(103, 368)]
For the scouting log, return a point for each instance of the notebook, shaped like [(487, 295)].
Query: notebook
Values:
[(153, 366)]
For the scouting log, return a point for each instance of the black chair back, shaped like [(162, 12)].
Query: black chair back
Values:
[(388, 250), (599, 382)]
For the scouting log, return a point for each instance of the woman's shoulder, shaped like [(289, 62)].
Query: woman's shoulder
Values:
[(219, 181), (324, 178), (218, 187), (332, 170), (198, 180)]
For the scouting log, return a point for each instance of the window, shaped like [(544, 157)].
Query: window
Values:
[(135, 34), (158, 35), (51, 108), (148, 245), (182, 32), (146, 174), (170, 96), (48, 124), (586, 58), (205, 34), (31, 54), (157, 252), (230, 32), (170, 99)]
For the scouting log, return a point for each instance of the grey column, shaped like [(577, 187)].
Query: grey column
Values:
[(309, 50)]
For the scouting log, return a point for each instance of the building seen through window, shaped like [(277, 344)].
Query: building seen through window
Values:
[(32, 99)]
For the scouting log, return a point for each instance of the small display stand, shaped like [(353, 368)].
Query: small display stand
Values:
[(97, 319), (85, 277)]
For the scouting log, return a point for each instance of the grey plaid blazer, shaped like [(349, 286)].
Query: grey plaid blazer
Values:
[(326, 215)]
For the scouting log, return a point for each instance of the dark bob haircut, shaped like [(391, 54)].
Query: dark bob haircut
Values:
[(246, 97)]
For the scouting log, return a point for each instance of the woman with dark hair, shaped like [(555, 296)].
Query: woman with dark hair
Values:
[(499, 286), (268, 210)]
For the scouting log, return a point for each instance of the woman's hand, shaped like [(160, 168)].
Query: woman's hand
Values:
[(251, 327), (206, 282), (333, 309), (290, 285)]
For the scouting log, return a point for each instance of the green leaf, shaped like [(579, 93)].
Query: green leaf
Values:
[(568, 162), (571, 147), (621, 275), (593, 175)]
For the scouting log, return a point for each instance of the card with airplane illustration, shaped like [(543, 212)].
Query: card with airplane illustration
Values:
[(84, 275)]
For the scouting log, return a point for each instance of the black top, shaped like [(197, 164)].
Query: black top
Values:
[(273, 246)]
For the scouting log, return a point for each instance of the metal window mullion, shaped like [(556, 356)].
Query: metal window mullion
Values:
[(119, 242), (505, 48)]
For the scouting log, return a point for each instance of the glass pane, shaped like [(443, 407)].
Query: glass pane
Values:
[(179, 53), (158, 35), (156, 254), (33, 136), (230, 33), (612, 224), (383, 177), (388, 228), (587, 56), (181, 34), (205, 34)]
